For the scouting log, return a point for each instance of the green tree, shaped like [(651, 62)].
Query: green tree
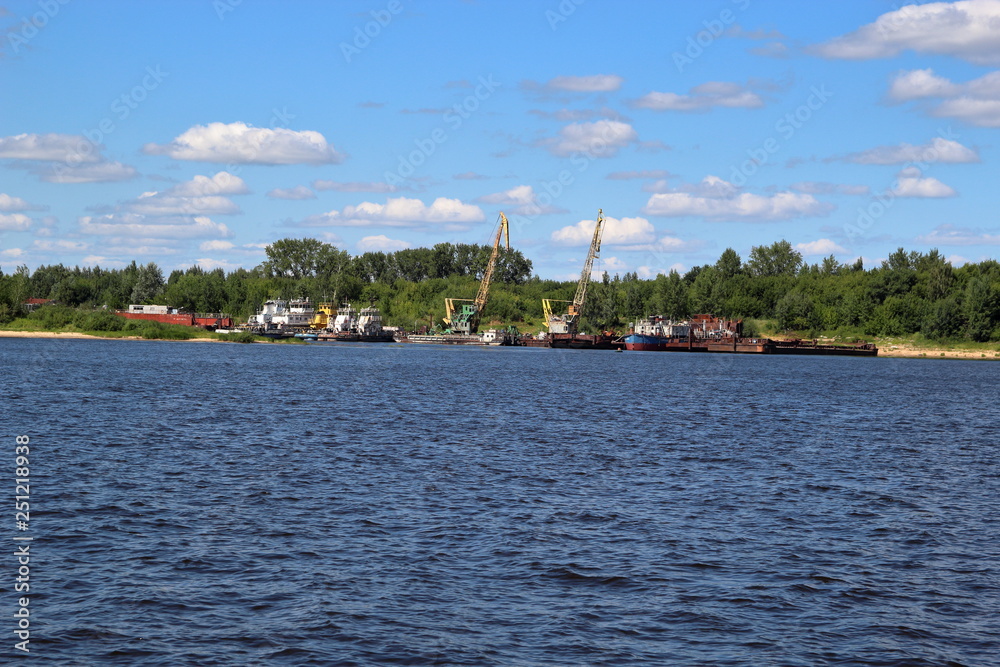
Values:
[(777, 259), (148, 284)]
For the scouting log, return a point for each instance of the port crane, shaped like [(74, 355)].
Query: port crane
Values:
[(465, 320), (569, 322)]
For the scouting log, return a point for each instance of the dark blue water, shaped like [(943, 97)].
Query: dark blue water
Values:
[(211, 504)]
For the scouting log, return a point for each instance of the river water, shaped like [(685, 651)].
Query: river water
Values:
[(335, 504)]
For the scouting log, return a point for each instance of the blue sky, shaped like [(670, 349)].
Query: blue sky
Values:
[(199, 131)]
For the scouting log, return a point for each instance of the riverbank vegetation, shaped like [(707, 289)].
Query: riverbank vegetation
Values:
[(911, 294)]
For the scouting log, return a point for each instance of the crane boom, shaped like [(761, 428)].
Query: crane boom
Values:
[(466, 320), (484, 286), (569, 322), (595, 250)]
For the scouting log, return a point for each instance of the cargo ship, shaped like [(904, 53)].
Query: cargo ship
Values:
[(707, 333), (351, 326), (168, 315)]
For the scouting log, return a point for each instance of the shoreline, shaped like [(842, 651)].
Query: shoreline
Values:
[(76, 335), (899, 351)]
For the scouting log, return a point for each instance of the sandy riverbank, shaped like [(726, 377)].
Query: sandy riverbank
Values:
[(70, 335), (908, 351)]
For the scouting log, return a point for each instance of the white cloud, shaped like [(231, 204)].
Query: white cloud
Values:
[(69, 148), (401, 212), (969, 29), (602, 138), (11, 204), (700, 98), (598, 83), (12, 252), (715, 199), (163, 204), (381, 243), (937, 150), (63, 245), (911, 183), (959, 236), (919, 83), (822, 188), (96, 172), (976, 102), (243, 144), (298, 192), (824, 247), (617, 231), (132, 225), (14, 222), (223, 183), (202, 195), (521, 194), (355, 186), (208, 246)]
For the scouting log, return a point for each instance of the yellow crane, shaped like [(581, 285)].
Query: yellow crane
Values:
[(569, 322), (466, 319)]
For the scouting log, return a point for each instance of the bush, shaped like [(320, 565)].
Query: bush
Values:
[(157, 331), (53, 317), (239, 337), (100, 320)]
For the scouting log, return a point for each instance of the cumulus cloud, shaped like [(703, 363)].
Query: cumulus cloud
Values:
[(823, 188), (95, 172), (134, 225), (952, 235), (244, 144), (298, 192), (353, 186), (969, 29), (202, 195), (223, 183), (911, 183), (10, 203), (602, 138), (521, 200), (617, 231), (703, 97), (824, 247), (14, 222), (63, 245), (52, 147), (596, 83), (381, 243), (715, 199), (976, 102), (401, 212), (209, 246), (937, 150), (648, 173)]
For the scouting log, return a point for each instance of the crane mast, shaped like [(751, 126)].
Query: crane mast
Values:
[(466, 320), (569, 322)]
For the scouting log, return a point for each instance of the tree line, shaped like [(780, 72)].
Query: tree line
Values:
[(910, 292)]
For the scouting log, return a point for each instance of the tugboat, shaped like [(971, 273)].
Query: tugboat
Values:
[(654, 332)]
